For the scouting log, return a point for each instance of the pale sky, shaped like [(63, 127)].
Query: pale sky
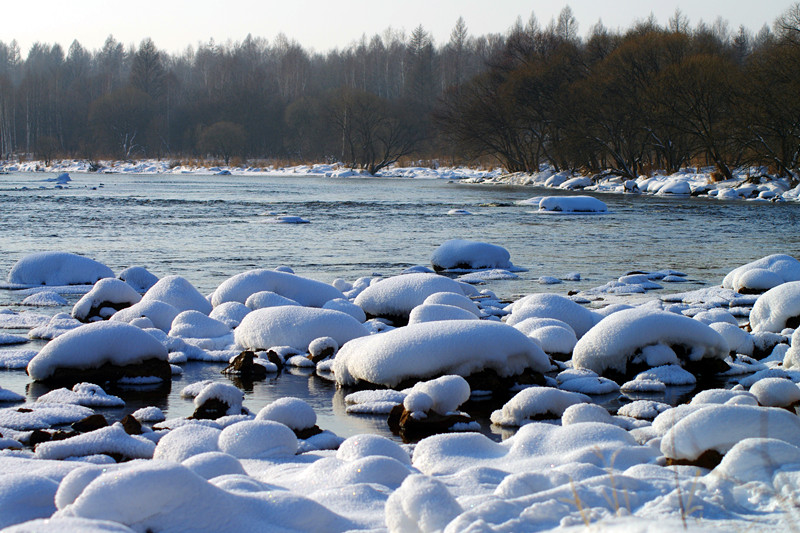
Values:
[(322, 25)]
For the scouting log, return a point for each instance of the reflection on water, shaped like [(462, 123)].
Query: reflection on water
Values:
[(208, 228)]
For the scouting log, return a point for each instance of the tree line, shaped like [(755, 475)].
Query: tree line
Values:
[(649, 97)]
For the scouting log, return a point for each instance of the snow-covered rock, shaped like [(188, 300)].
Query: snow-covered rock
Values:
[(179, 293), (305, 291), (777, 309), (464, 254), (57, 268), (763, 274), (431, 349), (572, 204), (398, 295), (106, 297), (579, 318)]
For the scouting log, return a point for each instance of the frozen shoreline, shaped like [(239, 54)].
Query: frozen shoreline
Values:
[(685, 183)]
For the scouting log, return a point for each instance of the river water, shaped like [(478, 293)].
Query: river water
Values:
[(208, 228)]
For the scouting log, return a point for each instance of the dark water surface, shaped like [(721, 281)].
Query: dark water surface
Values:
[(208, 228)]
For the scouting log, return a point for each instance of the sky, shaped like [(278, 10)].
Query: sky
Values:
[(322, 25)]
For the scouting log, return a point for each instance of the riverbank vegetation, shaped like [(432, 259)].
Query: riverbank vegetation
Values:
[(653, 96)]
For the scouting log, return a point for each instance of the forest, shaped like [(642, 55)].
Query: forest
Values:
[(622, 102)]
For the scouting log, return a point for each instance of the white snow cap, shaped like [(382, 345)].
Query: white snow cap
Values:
[(346, 306), (179, 293), (93, 345), (291, 412), (159, 313), (139, 278), (225, 393), (304, 291), (764, 273), (109, 290), (433, 348), (459, 253), (441, 395), (262, 299), (398, 295), (435, 312), (572, 204), (57, 268), (555, 306), (535, 401), (775, 307), (296, 327), (454, 299), (617, 338), (230, 313), (194, 324)]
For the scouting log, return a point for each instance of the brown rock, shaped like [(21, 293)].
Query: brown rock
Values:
[(90, 423)]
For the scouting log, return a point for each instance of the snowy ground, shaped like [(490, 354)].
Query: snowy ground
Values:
[(748, 183)]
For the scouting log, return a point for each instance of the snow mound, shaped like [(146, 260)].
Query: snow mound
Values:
[(179, 293), (430, 349), (435, 312), (86, 394), (720, 427), (223, 392), (776, 392), (45, 299), (757, 459), (257, 439), (777, 309), (464, 254), (360, 446), (555, 306), (187, 441), (441, 395), (106, 297), (296, 327), (454, 299), (572, 204), (42, 416), (536, 403), (159, 313), (108, 440), (306, 292), (643, 335), (763, 274), (291, 412), (230, 313), (57, 268), (421, 504), (398, 295), (212, 464), (139, 278), (93, 345), (263, 299), (164, 496), (196, 325)]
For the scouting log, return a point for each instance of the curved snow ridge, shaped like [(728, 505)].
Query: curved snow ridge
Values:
[(461, 253), (430, 349), (615, 339), (775, 307), (57, 268), (398, 295), (764, 273)]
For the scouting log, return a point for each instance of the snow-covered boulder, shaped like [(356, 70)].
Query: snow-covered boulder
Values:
[(196, 325), (398, 295), (571, 204), (179, 293), (108, 296), (763, 274), (230, 313), (159, 314), (776, 392), (675, 187), (454, 299), (216, 400), (579, 318), (57, 268), (436, 312), (637, 338), (296, 327), (108, 440), (431, 349), (252, 439), (464, 254), (100, 352), (139, 278), (305, 291), (536, 403), (346, 306), (262, 299), (777, 309), (556, 338), (717, 428)]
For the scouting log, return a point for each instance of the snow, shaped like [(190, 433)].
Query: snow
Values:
[(45, 299), (225, 393), (398, 295), (435, 348), (159, 313), (92, 345), (179, 293), (544, 305), (571, 204), (139, 278), (435, 312), (16, 359), (305, 291), (764, 273), (615, 340), (536, 401), (196, 325), (441, 395), (720, 427), (107, 440), (775, 307), (59, 324), (776, 392), (26, 497), (257, 439), (107, 290), (454, 299), (86, 394), (57, 268), (42, 416), (346, 306), (262, 299), (296, 327), (464, 254), (291, 412), (10, 396), (421, 504), (230, 313), (186, 441)]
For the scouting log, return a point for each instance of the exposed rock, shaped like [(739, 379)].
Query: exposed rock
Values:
[(90, 423), (244, 367), (131, 425), (412, 428)]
